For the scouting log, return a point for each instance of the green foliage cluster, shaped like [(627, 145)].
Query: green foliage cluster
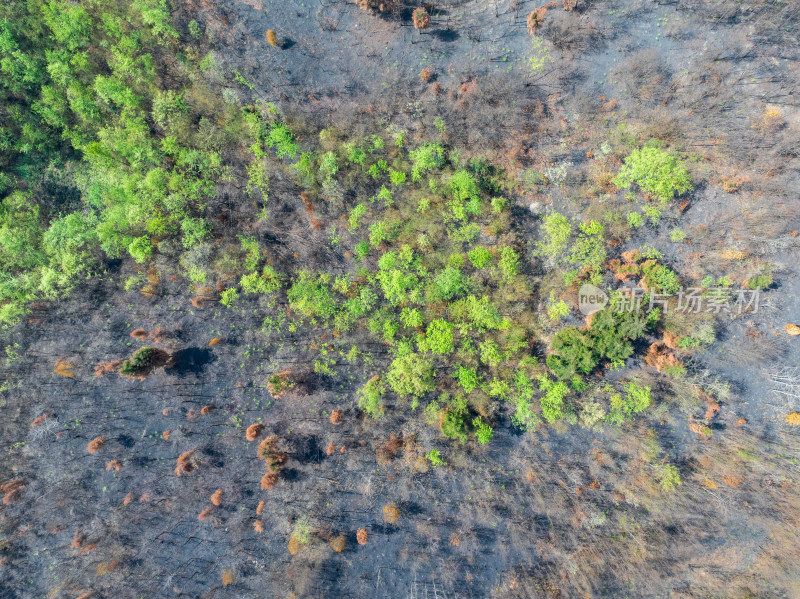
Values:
[(612, 330), (656, 171)]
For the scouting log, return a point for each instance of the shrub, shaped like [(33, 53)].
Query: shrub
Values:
[(467, 378), (635, 220), (362, 536), (463, 185), (480, 257), (499, 204), (281, 139), (426, 157), (228, 296), (483, 431), (378, 233), (490, 353), (448, 284), (557, 231), (397, 177), (759, 282), (660, 278), (411, 317), (390, 513), (454, 425), (509, 263), (667, 476), (310, 295), (338, 543), (421, 18), (143, 361), (656, 171), (557, 310), (435, 458), (141, 249), (370, 396), (356, 214), (411, 374), (677, 236), (553, 400), (272, 39)]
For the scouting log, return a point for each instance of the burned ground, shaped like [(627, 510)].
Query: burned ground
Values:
[(561, 512)]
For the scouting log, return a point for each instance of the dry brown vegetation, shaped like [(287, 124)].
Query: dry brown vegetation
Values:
[(96, 444)]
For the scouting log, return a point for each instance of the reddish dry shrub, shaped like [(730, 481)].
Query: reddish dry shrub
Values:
[(39, 419), (260, 507), (106, 367), (338, 543), (272, 39), (455, 540), (390, 513), (659, 356), (336, 417), (140, 334), (269, 480), (266, 447), (205, 513), (258, 526), (185, 463), (86, 595), (421, 18), (158, 335), (96, 444), (166, 434), (331, 449), (569, 5), (128, 498), (216, 497), (389, 449), (427, 74), (536, 18), (206, 410), (253, 431), (114, 465), (214, 341), (362, 536)]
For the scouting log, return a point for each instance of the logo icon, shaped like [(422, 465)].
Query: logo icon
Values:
[(591, 299)]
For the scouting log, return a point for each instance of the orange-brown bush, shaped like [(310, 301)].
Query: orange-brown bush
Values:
[(536, 18), (106, 367), (166, 434), (362, 536), (216, 497), (206, 410), (268, 480), (65, 367), (214, 341), (421, 18), (338, 543), (272, 39), (205, 513), (253, 431), (427, 74), (140, 334), (331, 449), (96, 444), (114, 465), (294, 545), (258, 526), (389, 450), (266, 446), (260, 507), (227, 578), (185, 463), (390, 513), (336, 417), (39, 419)]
